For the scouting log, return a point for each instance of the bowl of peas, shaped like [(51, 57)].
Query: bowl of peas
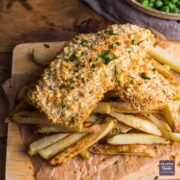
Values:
[(166, 9)]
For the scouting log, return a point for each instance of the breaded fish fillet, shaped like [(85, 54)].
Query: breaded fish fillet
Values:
[(142, 86), (91, 65)]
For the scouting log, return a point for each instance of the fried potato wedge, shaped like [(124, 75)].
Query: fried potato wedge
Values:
[(134, 138), (165, 131), (43, 57), (164, 57), (58, 128), (29, 117), (21, 93), (60, 145), (159, 123), (163, 70), (120, 107), (103, 108), (172, 115), (44, 142), (120, 128), (83, 144), (139, 123), (132, 149)]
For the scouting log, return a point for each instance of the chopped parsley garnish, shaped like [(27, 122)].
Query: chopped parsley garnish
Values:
[(50, 88), (62, 104), (128, 51), (83, 80), (93, 66), (71, 80), (62, 86), (139, 42), (66, 86), (116, 162), (73, 119), (84, 42), (132, 81), (110, 32), (133, 41), (114, 44), (46, 45), (156, 178), (97, 59), (116, 73), (73, 57), (108, 56), (154, 70), (143, 76)]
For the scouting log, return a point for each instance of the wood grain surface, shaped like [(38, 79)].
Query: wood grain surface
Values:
[(34, 21)]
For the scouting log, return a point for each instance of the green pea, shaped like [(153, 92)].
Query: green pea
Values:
[(175, 10), (151, 4), (165, 2), (178, 4), (164, 8), (158, 3), (145, 3), (174, 1), (171, 5)]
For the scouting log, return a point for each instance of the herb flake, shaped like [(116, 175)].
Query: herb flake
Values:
[(73, 119), (110, 32), (143, 76), (73, 57), (108, 56), (116, 162), (62, 104), (71, 80), (115, 74)]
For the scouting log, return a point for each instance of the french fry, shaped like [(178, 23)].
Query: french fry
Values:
[(84, 154), (120, 107), (124, 107), (131, 149), (92, 118), (59, 146), (58, 128), (172, 115), (139, 123), (42, 58), (164, 57), (35, 117), (83, 144), (164, 71), (29, 117), (21, 93), (166, 133), (44, 142), (119, 129), (159, 123), (103, 108), (138, 138)]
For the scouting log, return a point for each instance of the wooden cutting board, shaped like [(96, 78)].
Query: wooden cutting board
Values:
[(18, 163)]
